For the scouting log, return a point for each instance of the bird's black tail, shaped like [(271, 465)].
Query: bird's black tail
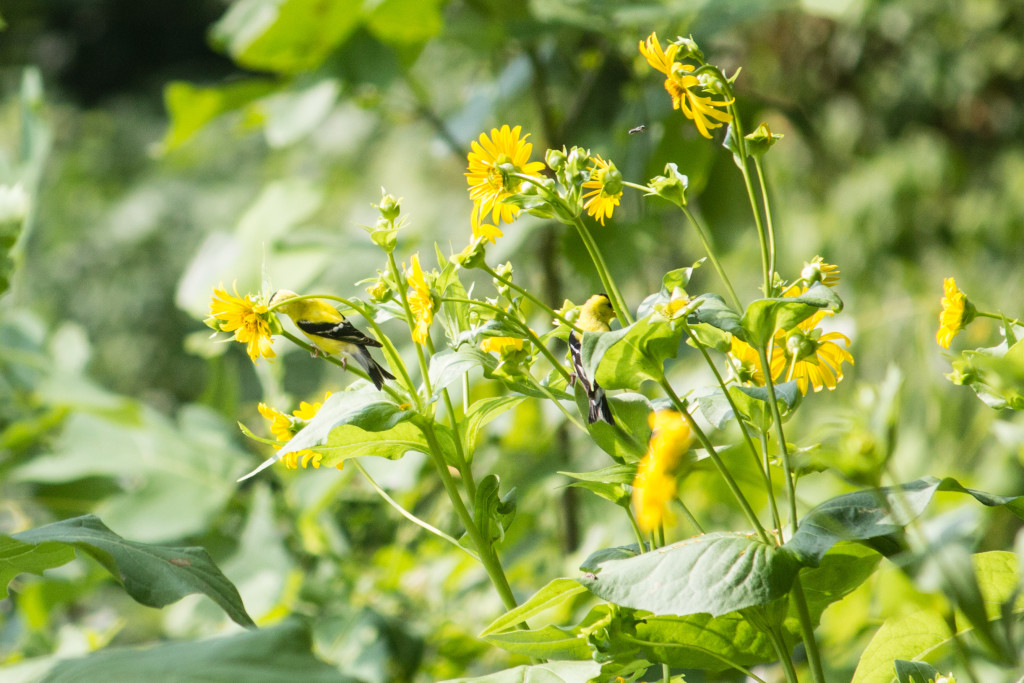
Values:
[(599, 408), (374, 369)]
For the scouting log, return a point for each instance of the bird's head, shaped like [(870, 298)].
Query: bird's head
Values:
[(279, 299), (601, 307)]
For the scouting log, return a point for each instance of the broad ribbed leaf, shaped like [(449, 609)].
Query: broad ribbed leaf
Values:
[(624, 358), (626, 441), (549, 642), (550, 672), (153, 575), (901, 638), (700, 641), (764, 316), (715, 573)]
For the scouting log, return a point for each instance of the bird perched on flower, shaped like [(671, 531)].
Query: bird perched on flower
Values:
[(595, 315), (330, 332)]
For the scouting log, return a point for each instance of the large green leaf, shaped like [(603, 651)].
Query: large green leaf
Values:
[(153, 575), (716, 573), (550, 672), (549, 642), (715, 312), (764, 316), (191, 107), (281, 654), (906, 637), (481, 413), (878, 516), (700, 641), (284, 36), (624, 358), (626, 440), (555, 593)]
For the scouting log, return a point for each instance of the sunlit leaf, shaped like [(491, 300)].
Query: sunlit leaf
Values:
[(624, 358), (554, 593), (190, 107), (906, 637), (764, 316), (550, 672)]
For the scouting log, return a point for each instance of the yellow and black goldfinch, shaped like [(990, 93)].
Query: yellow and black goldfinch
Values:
[(330, 332), (595, 315)]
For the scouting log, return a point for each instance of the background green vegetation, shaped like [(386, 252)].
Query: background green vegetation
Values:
[(169, 150)]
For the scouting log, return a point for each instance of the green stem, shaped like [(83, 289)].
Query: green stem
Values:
[(807, 631), (408, 515), (717, 460), (996, 316), (705, 240), (353, 368), (547, 392), (463, 465), (543, 306), (637, 531), (689, 515), (780, 437), (764, 468), (488, 555), (741, 162), (666, 674), (785, 658), (618, 304), (759, 167)]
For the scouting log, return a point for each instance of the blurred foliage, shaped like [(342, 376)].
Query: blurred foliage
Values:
[(199, 142)]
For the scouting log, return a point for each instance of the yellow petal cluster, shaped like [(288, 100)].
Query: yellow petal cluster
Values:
[(605, 187), (493, 163), (281, 426), (655, 484), (246, 318), (954, 316), (420, 302)]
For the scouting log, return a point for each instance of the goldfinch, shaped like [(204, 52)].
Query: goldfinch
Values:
[(595, 315), (330, 332)]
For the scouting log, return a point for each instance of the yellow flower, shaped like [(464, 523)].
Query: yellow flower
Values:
[(246, 318), (748, 365), (819, 271), (681, 83), (486, 231), (499, 344), (606, 185), (957, 312), (281, 426), (491, 164), (815, 358), (655, 483), (420, 303)]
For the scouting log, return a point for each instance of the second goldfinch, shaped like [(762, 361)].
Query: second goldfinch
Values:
[(330, 332), (595, 315)]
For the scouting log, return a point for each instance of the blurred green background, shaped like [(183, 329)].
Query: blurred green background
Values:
[(170, 147)]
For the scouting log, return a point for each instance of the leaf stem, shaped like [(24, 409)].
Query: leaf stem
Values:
[(705, 240), (618, 304), (807, 631), (780, 437)]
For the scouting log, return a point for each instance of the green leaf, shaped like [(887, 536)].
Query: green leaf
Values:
[(549, 642), (996, 374), (481, 413), (915, 672), (555, 593), (716, 573), (153, 575), (280, 654), (878, 516), (764, 316), (191, 107), (610, 483), (751, 401), (700, 641), (17, 557), (284, 36), (626, 441), (902, 638), (840, 572), (715, 312), (493, 515), (550, 672), (624, 358), (405, 22)]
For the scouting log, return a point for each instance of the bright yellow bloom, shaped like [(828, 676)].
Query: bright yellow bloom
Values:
[(499, 344), (957, 312), (681, 84), (420, 302), (819, 271), (246, 318), (491, 164), (815, 358), (487, 232), (655, 484), (748, 365), (281, 426), (606, 189)]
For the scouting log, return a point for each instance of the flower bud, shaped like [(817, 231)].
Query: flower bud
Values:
[(671, 186), (761, 140), (555, 159), (389, 207)]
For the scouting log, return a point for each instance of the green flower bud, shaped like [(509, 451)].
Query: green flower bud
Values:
[(671, 186), (555, 159), (761, 140)]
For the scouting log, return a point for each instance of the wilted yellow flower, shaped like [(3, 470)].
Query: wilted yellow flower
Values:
[(491, 164), (246, 318), (816, 359), (499, 344), (681, 84), (957, 312), (655, 484), (606, 189), (420, 302)]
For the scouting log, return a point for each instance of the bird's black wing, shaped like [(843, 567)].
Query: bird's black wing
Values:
[(343, 331), (598, 402)]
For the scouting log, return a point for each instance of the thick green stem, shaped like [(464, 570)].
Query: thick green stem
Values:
[(780, 437), (618, 303), (705, 240), (488, 555), (717, 460), (807, 631), (785, 659)]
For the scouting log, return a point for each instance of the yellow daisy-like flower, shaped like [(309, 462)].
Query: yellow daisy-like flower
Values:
[(487, 232), (491, 164), (655, 483), (606, 189), (748, 365), (957, 312), (281, 426), (819, 271), (681, 85), (420, 302), (816, 359), (246, 318), (499, 344)]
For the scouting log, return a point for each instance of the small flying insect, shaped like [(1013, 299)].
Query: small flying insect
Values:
[(639, 129)]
